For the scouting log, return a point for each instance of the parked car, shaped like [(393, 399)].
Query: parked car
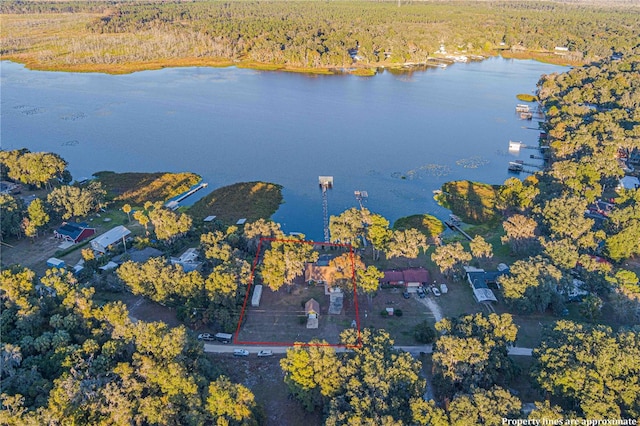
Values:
[(406, 295), (265, 352), (206, 337), (240, 352), (421, 293), (443, 288), (435, 291)]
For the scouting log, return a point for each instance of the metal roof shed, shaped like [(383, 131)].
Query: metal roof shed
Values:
[(110, 237)]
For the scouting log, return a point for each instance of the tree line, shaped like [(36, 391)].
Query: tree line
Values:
[(314, 34)]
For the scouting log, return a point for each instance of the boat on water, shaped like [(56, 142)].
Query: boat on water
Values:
[(522, 108), (526, 115), (441, 65), (516, 166)]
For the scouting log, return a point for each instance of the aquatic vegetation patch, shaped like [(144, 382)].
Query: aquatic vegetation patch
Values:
[(472, 162), (431, 170)]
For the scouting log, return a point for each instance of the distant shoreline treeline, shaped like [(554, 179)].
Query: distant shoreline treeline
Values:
[(308, 36)]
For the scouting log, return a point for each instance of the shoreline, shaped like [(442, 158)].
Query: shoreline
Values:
[(361, 69)]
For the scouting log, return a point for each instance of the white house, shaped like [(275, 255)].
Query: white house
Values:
[(109, 238)]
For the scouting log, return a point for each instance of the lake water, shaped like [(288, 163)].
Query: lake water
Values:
[(396, 136)]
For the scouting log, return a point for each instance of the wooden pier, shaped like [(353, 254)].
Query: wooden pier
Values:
[(174, 203), (455, 227)]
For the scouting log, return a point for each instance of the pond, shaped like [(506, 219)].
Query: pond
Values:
[(397, 136)]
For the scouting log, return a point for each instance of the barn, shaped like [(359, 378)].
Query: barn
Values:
[(74, 231)]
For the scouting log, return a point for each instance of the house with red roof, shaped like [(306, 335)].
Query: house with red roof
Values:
[(410, 279), (74, 232)]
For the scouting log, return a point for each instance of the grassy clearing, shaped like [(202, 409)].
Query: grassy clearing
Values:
[(525, 97), (138, 188), (474, 202), (249, 200), (429, 225)]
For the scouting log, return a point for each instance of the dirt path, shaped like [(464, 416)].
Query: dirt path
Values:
[(433, 306)]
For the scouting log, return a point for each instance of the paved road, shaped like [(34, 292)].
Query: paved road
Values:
[(413, 350)]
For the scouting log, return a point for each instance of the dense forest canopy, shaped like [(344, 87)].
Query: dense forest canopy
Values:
[(304, 34)]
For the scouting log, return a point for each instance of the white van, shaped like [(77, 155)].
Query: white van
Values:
[(240, 352)]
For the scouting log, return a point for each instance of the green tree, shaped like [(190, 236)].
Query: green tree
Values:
[(532, 284), (406, 243), (378, 234), (349, 227), (33, 168), (484, 407), (591, 367), (167, 224), (480, 248), (472, 351), (312, 373), (564, 217), (426, 413), (231, 402), (284, 261), (379, 382), (38, 216), (261, 228), (520, 234), (424, 333), (515, 194), (450, 258), (73, 201), (127, 209), (12, 209)]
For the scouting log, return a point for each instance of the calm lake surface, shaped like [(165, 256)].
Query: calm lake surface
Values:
[(396, 136)]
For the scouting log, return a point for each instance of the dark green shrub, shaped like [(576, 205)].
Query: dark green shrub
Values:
[(424, 333)]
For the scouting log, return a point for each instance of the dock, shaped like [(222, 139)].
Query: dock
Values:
[(455, 227), (174, 203)]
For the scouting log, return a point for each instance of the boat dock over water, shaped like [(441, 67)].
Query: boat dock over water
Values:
[(454, 224), (174, 202)]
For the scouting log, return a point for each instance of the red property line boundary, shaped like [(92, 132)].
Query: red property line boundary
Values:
[(251, 281)]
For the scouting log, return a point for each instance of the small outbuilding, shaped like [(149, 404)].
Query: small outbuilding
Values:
[(312, 310), (53, 262)]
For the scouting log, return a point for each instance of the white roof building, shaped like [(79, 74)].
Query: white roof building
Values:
[(110, 237), (629, 182)]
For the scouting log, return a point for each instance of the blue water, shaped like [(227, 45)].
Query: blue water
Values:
[(231, 125)]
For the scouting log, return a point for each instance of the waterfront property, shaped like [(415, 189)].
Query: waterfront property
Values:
[(479, 281)]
